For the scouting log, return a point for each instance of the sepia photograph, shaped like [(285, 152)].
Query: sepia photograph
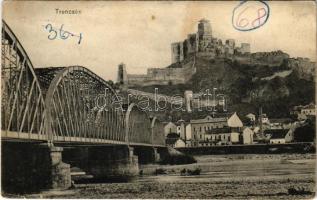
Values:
[(158, 99)]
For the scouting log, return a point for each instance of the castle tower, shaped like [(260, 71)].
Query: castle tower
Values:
[(122, 74), (204, 28), (204, 35)]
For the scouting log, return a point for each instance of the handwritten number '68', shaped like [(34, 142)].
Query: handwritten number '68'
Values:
[(250, 15)]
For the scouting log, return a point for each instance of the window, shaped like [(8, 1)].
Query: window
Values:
[(170, 130), (200, 136), (199, 129)]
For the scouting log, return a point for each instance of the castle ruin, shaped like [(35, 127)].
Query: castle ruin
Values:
[(182, 68), (204, 44)]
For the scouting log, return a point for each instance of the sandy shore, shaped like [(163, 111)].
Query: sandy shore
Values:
[(222, 176)]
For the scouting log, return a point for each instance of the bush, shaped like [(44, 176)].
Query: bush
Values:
[(160, 171), (298, 191), (194, 172), (189, 172)]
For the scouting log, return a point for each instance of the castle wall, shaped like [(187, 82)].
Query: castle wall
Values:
[(177, 52), (163, 76)]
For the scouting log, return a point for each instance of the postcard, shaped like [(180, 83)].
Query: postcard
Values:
[(158, 99)]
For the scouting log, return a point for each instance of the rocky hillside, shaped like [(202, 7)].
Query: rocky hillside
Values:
[(248, 85)]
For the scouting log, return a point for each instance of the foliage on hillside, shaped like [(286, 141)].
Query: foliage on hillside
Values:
[(243, 86)]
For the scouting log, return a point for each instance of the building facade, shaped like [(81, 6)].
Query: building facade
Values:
[(170, 127)]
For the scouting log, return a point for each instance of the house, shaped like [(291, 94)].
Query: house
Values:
[(199, 127), (303, 111), (235, 123), (171, 139), (214, 129), (309, 110), (265, 119), (251, 117), (179, 143), (170, 127), (280, 123), (247, 136), (222, 136), (279, 136), (188, 131), (180, 128)]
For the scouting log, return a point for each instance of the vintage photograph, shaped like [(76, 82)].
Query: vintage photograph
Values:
[(158, 99)]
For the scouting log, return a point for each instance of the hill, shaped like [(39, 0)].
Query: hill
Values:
[(247, 87)]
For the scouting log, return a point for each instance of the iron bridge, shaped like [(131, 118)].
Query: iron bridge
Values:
[(58, 104)]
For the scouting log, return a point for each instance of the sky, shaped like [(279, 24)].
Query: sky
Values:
[(139, 34)]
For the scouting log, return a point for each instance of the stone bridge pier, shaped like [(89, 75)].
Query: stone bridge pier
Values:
[(104, 162), (147, 154), (31, 167)]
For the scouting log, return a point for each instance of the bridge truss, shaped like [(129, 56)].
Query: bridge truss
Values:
[(66, 104)]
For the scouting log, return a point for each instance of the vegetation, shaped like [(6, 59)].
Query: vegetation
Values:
[(243, 86), (306, 133), (190, 172), (160, 171)]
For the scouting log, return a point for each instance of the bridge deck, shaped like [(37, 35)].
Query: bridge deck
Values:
[(30, 137)]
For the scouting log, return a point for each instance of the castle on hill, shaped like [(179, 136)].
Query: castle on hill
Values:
[(204, 44)]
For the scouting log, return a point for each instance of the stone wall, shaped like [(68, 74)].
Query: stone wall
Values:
[(163, 76)]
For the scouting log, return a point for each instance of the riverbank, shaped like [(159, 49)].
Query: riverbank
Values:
[(222, 176)]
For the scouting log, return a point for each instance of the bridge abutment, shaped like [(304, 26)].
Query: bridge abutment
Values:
[(28, 167)]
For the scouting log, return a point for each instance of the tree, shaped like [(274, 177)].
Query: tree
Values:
[(305, 133)]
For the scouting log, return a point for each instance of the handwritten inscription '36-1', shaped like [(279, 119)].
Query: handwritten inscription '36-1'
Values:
[(250, 15), (60, 33)]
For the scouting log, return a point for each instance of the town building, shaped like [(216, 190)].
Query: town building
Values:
[(251, 117), (309, 110), (219, 136), (179, 143), (199, 127), (171, 139), (281, 123), (247, 136), (265, 119), (170, 127), (216, 131), (180, 129), (188, 132), (279, 136)]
